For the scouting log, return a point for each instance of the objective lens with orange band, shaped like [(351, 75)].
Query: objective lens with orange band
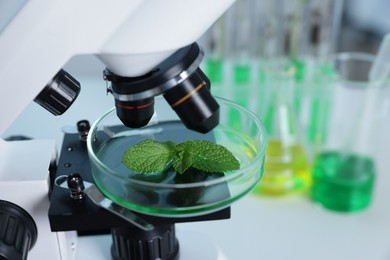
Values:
[(135, 113), (193, 103)]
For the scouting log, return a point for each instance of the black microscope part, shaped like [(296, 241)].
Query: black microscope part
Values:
[(76, 186), (194, 104), (188, 95), (59, 94), (135, 114), (136, 244), (18, 231), (83, 128)]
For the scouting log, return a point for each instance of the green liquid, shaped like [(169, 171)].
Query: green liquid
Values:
[(241, 74), (300, 68), (343, 182), (241, 88), (321, 104), (214, 69)]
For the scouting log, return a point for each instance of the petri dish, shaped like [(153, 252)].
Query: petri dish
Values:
[(167, 193)]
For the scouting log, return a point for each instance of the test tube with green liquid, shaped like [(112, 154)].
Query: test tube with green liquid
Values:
[(239, 51), (213, 43), (303, 32)]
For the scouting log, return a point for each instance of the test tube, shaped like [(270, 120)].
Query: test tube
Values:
[(213, 42)]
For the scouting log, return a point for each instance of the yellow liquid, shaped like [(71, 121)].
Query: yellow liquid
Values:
[(286, 170)]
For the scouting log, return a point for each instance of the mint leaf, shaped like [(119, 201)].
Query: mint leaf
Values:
[(151, 156), (204, 155), (181, 161), (148, 156)]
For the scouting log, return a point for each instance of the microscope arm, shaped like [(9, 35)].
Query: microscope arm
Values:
[(130, 37)]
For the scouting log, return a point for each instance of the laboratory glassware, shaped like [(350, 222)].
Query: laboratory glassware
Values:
[(344, 170), (286, 168)]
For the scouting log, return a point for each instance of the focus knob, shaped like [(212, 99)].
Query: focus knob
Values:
[(18, 232), (136, 244)]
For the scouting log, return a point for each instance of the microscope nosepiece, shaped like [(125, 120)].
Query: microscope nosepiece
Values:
[(182, 83)]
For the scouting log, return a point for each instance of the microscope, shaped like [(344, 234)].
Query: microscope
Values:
[(149, 49)]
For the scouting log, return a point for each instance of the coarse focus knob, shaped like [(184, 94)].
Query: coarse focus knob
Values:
[(137, 244), (59, 94), (18, 232)]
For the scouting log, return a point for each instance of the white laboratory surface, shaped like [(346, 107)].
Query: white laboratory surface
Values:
[(260, 227)]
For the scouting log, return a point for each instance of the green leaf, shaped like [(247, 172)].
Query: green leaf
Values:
[(151, 156), (148, 156), (204, 155), (181, 161)]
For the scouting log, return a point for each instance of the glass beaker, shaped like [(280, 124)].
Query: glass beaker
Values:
[(344, 165), (286, 168)]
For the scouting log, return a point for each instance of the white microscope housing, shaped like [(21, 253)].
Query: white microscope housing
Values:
[(132, 38)]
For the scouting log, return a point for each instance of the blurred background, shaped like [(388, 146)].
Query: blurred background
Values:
[(363, 25), (302, 66)]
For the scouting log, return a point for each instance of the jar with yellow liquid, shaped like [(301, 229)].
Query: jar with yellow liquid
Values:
[(287, 167)]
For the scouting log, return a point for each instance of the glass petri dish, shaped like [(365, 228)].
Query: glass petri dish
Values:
[(167, 193)]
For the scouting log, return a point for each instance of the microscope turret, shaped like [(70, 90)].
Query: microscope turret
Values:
[(182, 83)]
